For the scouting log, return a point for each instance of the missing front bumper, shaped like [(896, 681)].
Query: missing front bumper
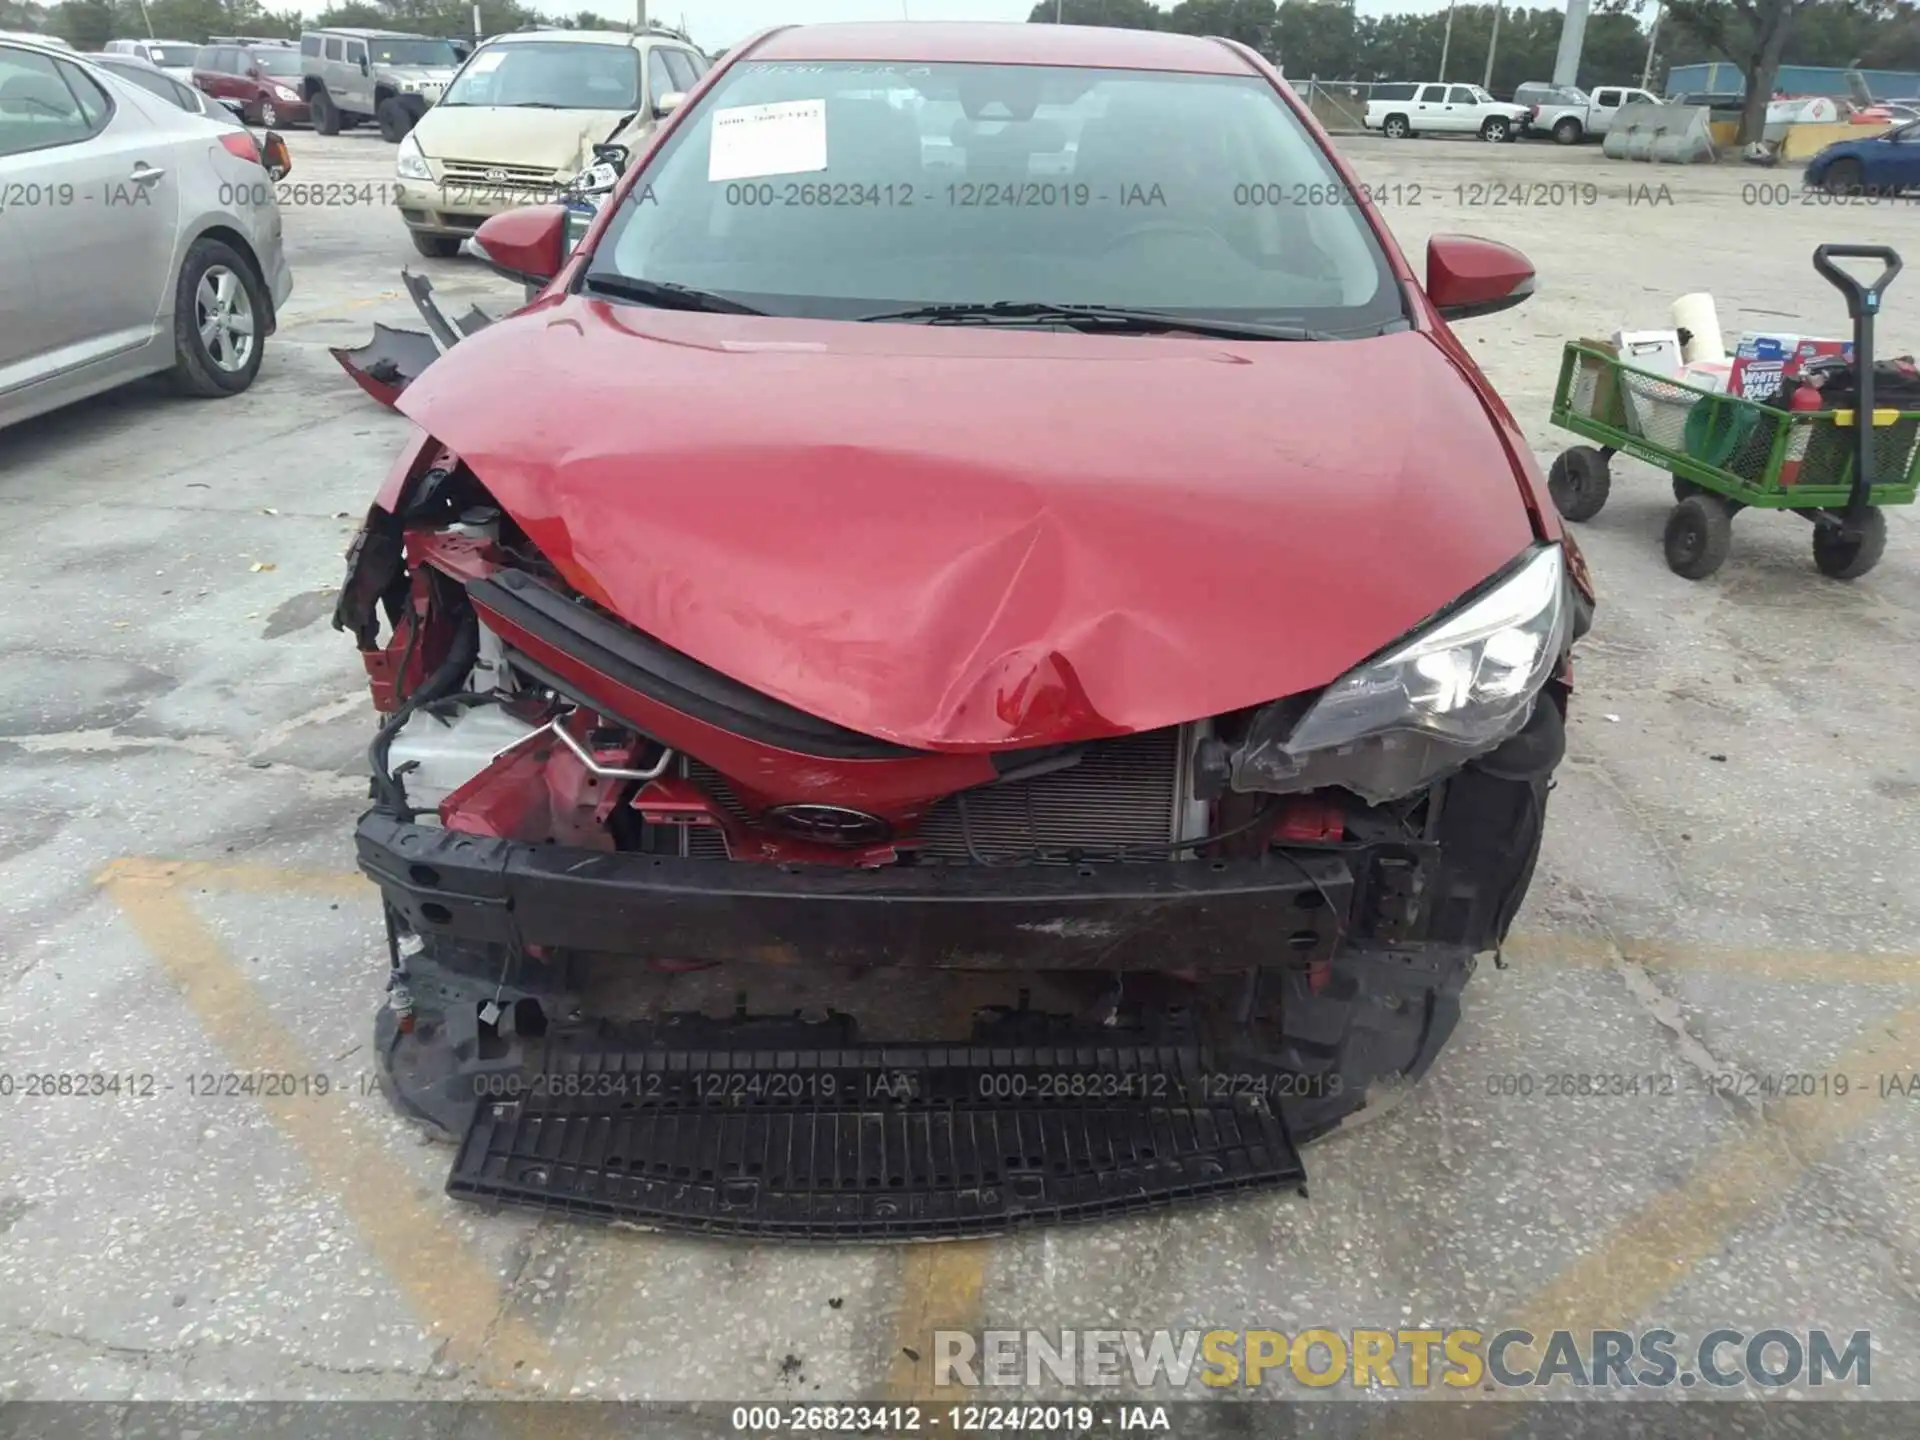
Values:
[(1199, 916), (560, 1039)]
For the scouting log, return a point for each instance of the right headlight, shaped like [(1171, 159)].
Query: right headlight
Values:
[(1454, 690), (410, 162)]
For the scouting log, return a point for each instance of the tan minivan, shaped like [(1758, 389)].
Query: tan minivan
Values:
[(522, 117)]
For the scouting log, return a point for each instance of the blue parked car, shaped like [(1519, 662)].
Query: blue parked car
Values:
[(1883, 163)]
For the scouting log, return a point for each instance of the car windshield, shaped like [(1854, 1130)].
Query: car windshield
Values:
[(430, 54), (839, 190), (550, 75), (171, 54), (275, 61)]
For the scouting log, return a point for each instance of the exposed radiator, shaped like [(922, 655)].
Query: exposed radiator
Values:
[(1122, 794)]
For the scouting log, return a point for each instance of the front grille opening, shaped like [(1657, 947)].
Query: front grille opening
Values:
[(1122, 801)]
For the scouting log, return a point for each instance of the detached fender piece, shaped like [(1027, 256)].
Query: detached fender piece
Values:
[(389, 362), (394, 359)]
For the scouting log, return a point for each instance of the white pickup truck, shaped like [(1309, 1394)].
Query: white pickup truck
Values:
[(1400, 110), (1570, 115)]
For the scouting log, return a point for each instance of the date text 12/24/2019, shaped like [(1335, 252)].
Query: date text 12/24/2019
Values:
[(894, 1420)]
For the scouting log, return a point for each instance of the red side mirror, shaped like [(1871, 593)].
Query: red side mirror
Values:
[(528, 244), (1468, 276)]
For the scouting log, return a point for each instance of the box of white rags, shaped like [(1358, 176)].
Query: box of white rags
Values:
[(1763, 360)]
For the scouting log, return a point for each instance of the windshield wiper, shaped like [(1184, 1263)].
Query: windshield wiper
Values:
[(1097, 317), (664, 295)]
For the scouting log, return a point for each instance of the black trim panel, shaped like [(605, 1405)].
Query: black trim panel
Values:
[(661, 673)]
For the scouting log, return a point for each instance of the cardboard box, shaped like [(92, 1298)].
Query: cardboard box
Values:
[(1595, 392)]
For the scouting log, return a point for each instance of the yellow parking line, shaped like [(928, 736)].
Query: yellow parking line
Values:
[(1821, 967), (449, 1288), (297, 318), (1643, 1257), (246, 876), (940, 1289)]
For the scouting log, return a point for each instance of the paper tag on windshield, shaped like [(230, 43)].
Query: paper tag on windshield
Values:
[(787, 138), (487, 60)]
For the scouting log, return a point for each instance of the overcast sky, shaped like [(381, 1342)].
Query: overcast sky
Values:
[(714, 23)]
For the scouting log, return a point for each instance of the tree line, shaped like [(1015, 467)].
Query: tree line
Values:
[(1325, 38)]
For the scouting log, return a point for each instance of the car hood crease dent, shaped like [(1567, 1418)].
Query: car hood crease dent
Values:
[(1125, 534)]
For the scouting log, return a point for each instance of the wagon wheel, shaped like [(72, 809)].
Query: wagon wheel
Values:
[(1699, 534), (1579, 482), (1841, 556)]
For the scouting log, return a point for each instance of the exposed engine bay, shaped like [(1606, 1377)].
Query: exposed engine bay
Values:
[(667, 949)]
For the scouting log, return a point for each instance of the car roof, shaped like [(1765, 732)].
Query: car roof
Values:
[(358, 33), (44, 42), (1003, 43), (588, 37)]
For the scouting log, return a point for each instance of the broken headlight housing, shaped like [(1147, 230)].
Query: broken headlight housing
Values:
[(1454, 690)]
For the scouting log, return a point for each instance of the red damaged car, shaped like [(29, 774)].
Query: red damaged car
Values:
[(978, 655)]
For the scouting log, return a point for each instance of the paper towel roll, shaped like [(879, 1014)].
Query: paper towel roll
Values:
[(1696, 315)]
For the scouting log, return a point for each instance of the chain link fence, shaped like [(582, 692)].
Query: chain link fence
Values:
[(1340, 105)]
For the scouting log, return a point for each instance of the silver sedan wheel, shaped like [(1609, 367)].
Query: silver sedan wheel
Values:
[(223, 311), (269, 116)]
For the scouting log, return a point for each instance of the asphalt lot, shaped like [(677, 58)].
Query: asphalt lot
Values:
[(1728, 888)]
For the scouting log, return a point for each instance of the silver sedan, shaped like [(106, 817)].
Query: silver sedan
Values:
[(135, 238)]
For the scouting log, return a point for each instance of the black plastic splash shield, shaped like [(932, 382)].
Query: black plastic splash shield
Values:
[(878, 1142)]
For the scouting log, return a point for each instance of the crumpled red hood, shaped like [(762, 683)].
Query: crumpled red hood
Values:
[(958, 537)]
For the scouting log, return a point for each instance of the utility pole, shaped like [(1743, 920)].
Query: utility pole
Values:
[(1446, 42), (1486, 82), (1573, 39), (1653, 34), (640, 7), (1059, 9)]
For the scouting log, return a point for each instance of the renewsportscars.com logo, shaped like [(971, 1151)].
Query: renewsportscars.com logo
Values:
[(1457, 1358)]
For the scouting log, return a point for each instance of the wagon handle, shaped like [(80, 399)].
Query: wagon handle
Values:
[(1863, 303)]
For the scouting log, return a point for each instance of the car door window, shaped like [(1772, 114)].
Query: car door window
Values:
[(333, 49), (356, 53), (659, 78), (1607, 99), (1459, 95), (39, 106), (203, 58), (680, 62), (1433, 95)]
